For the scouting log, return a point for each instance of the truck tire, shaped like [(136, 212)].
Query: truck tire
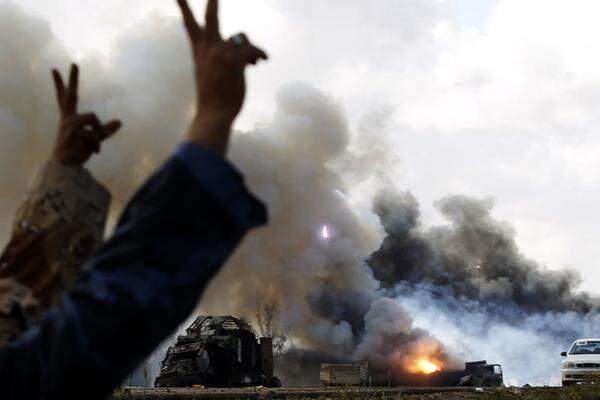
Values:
[(275, 382), (566, 383)]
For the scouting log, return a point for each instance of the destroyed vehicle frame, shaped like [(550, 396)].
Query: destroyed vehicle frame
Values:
[(482, 374), (218, 351)]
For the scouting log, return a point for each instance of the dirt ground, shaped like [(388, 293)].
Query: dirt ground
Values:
[(343, 394)]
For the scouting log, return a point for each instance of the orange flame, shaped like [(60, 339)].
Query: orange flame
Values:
[(424, 366), (424, 357)]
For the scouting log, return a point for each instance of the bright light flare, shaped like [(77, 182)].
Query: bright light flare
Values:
[(325, 232), (427, 367), (424, 365)]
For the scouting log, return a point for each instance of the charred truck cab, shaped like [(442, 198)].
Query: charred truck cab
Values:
[(218, 352), (480, 373)]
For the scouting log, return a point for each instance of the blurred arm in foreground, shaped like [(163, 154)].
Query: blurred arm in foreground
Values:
[(173, 237), (61, 222)]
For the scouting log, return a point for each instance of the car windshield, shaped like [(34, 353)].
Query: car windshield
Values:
[(586, 348)]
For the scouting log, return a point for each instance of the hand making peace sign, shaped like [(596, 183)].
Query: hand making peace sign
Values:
[(79, 135), (220, 80)]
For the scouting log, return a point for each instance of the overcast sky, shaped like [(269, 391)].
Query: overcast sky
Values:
[(488, 98)]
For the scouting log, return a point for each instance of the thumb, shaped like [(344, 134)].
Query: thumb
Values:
[(251, 54), (111, 128)]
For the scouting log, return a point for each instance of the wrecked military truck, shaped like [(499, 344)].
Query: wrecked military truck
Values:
[(481, 374), (218, 352), (475, 374)]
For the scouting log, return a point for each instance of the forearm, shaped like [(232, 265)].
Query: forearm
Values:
[(66, 193), (172, 239), (59, 225), (211, 131), (57, 228)]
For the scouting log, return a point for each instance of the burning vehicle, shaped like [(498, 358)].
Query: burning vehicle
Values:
[(218, 351), (482, 374), (434, 374)]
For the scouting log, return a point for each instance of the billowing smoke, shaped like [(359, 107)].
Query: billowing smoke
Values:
[(378, 286), (25, 115), (475, 256), (329, 301), (139, 83), (327, 296), (469, 283)]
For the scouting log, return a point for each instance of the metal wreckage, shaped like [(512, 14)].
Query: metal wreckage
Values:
[(480, 373), (224, 351), (475, 374), (218, 352)]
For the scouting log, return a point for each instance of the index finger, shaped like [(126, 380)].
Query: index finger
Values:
[(191, 25), (60, 89)]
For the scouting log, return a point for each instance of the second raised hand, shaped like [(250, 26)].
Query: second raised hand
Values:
[(79, 135), (220, 81)]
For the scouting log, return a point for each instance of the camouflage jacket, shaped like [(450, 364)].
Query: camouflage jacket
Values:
[(59, 226)]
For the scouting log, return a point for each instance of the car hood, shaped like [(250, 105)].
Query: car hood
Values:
[(584, 358)]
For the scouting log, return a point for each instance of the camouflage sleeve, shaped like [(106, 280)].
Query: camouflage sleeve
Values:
[(12, 318), (59, 226)]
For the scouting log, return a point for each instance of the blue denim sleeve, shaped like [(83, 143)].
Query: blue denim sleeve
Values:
[(171, 240), (224, 182)]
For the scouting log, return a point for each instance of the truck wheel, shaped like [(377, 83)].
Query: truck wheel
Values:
[(275, 382), (566, 383)]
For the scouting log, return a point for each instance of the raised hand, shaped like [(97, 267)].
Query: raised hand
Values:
[(79, 135), (220, 81)]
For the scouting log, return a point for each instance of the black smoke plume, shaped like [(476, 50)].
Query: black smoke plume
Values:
[(474, 256)]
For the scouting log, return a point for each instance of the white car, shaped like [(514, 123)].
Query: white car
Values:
[(583, 359)]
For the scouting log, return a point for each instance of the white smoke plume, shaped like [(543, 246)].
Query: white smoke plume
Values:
[(139, 83), (526, 345)]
